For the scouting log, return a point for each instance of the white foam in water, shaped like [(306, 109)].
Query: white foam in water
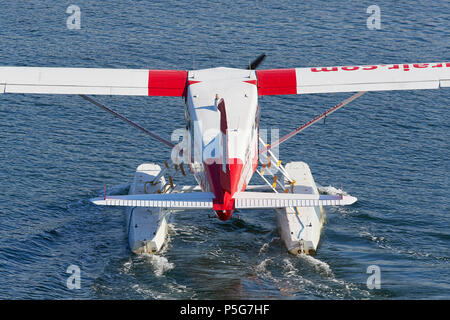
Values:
[(294, 280), (262, 268), (172, 228), (120, 189), (366, 234), (264, 248), (127, 266), (331, 190), (383, 243), (159, 263), (291, 270), (146, 292), (320, 266), (323, 267)]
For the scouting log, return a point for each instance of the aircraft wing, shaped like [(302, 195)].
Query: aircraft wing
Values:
[(93, 81), (353, 78)]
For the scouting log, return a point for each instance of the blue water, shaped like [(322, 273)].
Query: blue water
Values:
[(389, 149)]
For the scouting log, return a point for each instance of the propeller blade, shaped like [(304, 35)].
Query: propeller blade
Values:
[(255, 63)]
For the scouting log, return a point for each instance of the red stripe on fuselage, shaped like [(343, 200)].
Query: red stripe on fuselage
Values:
[(276, 81), (223, 116), (167, 83)]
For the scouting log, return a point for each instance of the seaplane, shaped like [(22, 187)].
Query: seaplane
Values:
[(222, 146)]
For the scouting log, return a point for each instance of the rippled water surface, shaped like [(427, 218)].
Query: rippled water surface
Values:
[(389, 149)]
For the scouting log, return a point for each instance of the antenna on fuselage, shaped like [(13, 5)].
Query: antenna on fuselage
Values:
[(216, 101)]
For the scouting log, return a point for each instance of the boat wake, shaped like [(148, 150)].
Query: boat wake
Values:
[(303, 276), (119, 189), (331, 190), (383, 243), (159, 263), (321, 267)]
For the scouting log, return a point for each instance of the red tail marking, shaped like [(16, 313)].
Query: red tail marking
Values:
[(224, 185)]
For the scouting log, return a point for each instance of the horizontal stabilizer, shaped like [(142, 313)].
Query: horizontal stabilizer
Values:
[(191, 200), (249, 200)]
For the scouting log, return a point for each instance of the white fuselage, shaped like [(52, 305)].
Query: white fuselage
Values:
[(222, 121)]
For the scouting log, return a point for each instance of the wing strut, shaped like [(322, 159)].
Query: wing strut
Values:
[(121, 117), (311, 122)]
